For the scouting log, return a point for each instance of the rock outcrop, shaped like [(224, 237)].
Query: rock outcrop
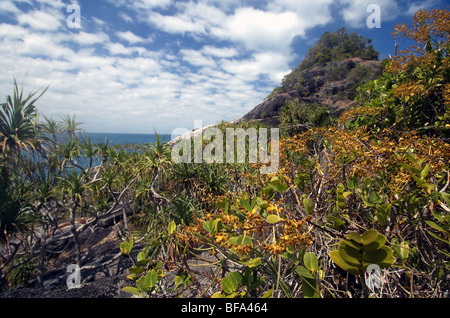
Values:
[(333, 85)]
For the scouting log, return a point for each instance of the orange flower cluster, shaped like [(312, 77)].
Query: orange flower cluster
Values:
[(242, 235), (292, 236)]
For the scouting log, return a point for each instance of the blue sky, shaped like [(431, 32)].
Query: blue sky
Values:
[(145, 65)]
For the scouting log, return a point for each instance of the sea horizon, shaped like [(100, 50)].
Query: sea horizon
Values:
[(125, 138)]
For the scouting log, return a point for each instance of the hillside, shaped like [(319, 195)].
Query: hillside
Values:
[(328, 75)]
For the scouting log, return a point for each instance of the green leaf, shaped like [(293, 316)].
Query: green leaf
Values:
[(245, 204), (349, 254), (208, 226), (388, 261), (303, 272), (376, 244), (445, 196), (136, 270), (424, 171), (290, 257), (224, 204), (367, 182), (142, 259), (309, 205), (172, 227), (337, 259), (125, 247), (438, 237), (240, 240), (311, 262), (374, 197), (230, 283), (218, 295), (273, 218), (354, 236), (277, 185), (382, 213), (337, 223), (374, 257), (403, 250), (268, 294), (352, 183), (133, 276), (369, 236), (132, 290), (310, 288), (255, 262), (212, 226), (436, 226), (151, 278)]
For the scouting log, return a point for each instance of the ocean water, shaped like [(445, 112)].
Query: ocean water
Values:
[(124, 138)]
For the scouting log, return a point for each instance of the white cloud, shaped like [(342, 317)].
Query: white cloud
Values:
[(196, 18), (120, 49), (8, 7), (310, 13), (260, 30), (87, 39), (40, 20), (175, 24), (146, 4), (132, 38), (225, 52), (115, 79), (269, 64), (196, 58), (125, 17)]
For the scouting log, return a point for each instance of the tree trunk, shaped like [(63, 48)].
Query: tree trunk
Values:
[(41, 269), (74, 232)]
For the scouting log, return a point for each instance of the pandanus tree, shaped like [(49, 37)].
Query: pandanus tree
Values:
[(18, 123), (18, 132)]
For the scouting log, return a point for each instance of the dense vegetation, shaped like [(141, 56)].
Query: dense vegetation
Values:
[(329, 50), (369, 188)]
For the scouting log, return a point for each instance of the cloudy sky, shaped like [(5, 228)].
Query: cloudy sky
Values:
[(135, 66)]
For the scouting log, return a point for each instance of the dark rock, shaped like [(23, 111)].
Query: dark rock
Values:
[(328, 85)]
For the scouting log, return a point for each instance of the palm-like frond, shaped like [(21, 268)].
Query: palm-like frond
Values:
[(18, 122)]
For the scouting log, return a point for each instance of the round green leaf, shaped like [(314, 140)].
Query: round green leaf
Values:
[(125, 247), (311, 261), (349, 254), (230, 283), (377, 244), (369, 236), (172, 227), (337, 259), (354, 236), (272, 219), (377, 256)]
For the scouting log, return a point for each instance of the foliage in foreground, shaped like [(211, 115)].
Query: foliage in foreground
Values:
[(372, 189)]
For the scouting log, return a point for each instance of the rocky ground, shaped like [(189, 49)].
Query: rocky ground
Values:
[(104, 276), (104, 271)]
